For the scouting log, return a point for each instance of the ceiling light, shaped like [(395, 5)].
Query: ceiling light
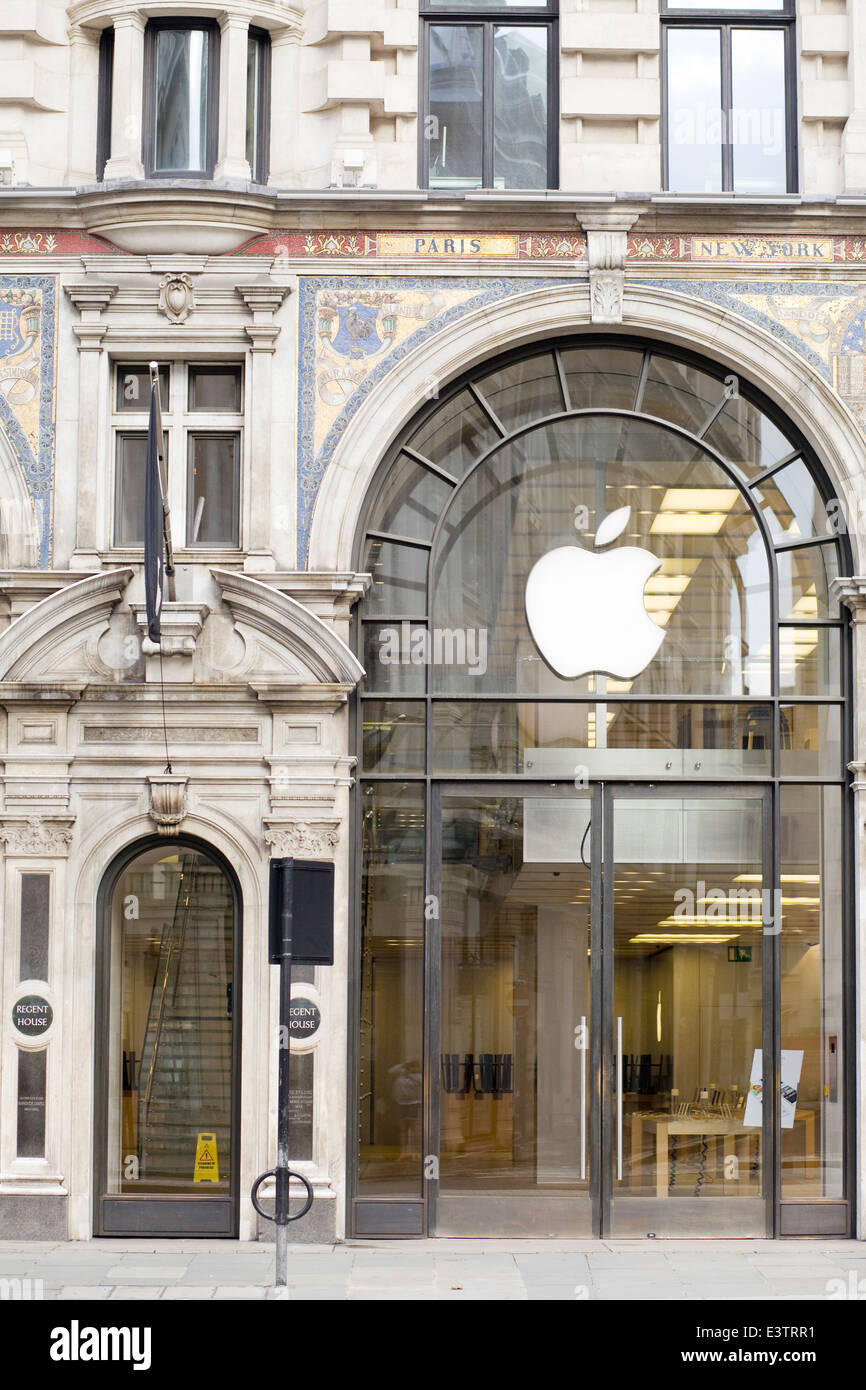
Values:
[(684, 939), (699, 499), (786, 878), (688, 523)]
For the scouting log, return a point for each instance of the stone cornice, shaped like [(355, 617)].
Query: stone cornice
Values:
[(275, 15), (242, 213), (851, 590)]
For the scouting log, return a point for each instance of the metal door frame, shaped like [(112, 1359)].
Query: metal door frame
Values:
[(766, 793), (153, 1214), (602, 796)]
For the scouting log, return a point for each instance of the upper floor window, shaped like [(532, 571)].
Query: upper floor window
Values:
[(202, 413), (180, 97), (489, 94), (729, 74), (258, 103)]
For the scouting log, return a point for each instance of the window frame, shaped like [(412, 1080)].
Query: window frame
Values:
[(104, 100), (260, 171), (180, 424), (725, 18), (488, 17), (152, 29), (193, 434)]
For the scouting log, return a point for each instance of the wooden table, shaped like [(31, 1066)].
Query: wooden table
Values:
[(713, 1127)]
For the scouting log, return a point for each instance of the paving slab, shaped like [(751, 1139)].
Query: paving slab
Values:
[(239, 1292), (188, 1291), (140, 1291), (89, 1291)]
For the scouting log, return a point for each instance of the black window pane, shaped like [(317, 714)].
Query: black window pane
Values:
[(31, 1104), (215, 388), (455, 123), (35, 901), (181, 100), (133, 387), (742, 6), (520, 107), (129, 489), (695, 117), (212, 498), (758, 119)]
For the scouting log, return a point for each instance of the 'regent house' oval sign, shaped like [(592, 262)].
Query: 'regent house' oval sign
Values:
[(304, 1018), (32, 1015)]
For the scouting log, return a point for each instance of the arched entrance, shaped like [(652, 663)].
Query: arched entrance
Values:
[(604, 818), (168, 1050)]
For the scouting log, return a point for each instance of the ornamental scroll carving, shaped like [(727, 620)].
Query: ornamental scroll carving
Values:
[(303, 840), (37, 835), (167, 802)]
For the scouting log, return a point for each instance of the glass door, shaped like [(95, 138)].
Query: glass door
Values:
[(167, 1129), (512, 1065), (688, 1052)]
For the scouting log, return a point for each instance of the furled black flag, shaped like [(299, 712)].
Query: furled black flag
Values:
[(153, 527)]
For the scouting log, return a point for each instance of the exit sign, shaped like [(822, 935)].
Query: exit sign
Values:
[(739, 953)]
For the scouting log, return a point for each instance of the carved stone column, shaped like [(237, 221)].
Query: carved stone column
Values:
[(232, 162), (262, 298), (91, 299), (126, 101), (83, 80)]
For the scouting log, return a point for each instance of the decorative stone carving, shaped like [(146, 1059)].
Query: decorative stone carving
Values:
[(180, 626), (606, 245), (37, 835), (176, 297), (850, 589), (605, 290), (167, 802), (303, 839)]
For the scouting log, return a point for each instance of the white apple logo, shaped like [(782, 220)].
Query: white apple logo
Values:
[(586, 612)]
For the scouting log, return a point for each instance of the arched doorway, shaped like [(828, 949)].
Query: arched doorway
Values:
[(604, 819), (168, 1050)]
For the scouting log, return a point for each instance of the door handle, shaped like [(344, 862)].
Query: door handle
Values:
[(619, 1099), (583, 1097)]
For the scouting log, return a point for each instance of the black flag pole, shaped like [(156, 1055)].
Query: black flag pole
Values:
[(162, 477), (158, 555)]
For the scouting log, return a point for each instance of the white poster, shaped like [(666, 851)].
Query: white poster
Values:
[(792, 1065)]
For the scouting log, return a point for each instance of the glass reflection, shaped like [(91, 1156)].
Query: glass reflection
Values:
[(688, 937), (172, 974), (812, 992), (181, 100), (456, 66), (514, 1081), (758, 117), (520, 107), (695, 117), (390, 1095), (553, 487)]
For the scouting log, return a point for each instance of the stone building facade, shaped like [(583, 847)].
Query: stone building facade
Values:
[(325, 274)]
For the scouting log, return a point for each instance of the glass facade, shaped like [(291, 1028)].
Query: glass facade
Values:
[(603, 744)]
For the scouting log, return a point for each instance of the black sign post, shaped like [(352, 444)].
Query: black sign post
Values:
[(300, 927)]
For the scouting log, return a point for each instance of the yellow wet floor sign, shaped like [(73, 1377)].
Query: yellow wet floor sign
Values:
[(206, 1165)]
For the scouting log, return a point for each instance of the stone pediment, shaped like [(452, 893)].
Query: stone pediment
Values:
[(57, 638), (283, 640)]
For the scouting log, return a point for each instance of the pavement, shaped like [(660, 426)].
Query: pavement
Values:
[(440, 1270)]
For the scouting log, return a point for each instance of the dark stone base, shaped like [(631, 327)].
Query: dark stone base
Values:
[(316, 1228), (29, 1216)]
